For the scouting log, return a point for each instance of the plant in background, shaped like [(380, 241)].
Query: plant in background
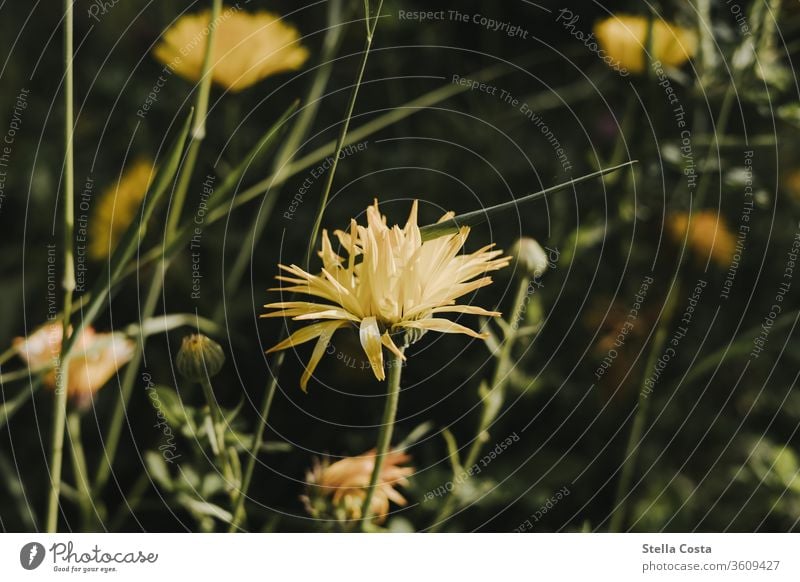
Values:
[(626, 38), (336, 491), (706, 234), (248, 48), (95, 358), (117, 207)]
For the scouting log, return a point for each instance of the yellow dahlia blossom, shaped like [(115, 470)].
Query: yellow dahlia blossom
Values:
[(247, 47), (624, 39), (93, 360), (342, 486), (390, 283), (708, 236), (117, 207)]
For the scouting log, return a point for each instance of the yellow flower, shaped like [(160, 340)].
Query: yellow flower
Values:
[(343, 485), (247, 47), (117, 208), (390, 283), (709, 235), (93, 360), (624, 38)]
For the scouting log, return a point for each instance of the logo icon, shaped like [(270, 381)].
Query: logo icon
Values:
[(31, 555)]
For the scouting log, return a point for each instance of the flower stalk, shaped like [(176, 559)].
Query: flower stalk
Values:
[(60, 411), (395, 364)]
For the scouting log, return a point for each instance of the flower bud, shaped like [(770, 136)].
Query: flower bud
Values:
[(531, 257), (199, 358)]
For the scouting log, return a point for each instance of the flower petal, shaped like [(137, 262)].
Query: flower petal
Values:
[(319, 350), (370, 336), (386, 340), (442, 326), (302, 335)]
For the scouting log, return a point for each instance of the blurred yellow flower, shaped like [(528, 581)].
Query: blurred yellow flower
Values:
[(116, 209), (247, 47), (624, 38), (342, 486), (709, 235), (390, 283), (93, 360)]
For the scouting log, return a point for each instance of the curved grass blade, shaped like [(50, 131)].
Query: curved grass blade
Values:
[(476, 217)]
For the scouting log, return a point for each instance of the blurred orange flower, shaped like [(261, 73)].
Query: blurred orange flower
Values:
[(247, 47), (342, 486), (117, 207), (93, 361), (624, 38), (709, 235)]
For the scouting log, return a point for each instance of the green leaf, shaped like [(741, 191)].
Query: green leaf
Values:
[(157, 469), (476, 217), (172, 407)]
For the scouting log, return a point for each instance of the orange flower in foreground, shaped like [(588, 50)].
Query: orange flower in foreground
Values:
[(709, 235), (342, 486), (94, 359)]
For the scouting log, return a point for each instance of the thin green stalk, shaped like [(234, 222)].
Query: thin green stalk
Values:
[(156, 284), (277, 362), (59, 414), (288, 151), (198, 125), (395, 364), (635, 436), (492, 399), (217, 421), (114, 432), (79, 468), (323, 201), (258, 439)]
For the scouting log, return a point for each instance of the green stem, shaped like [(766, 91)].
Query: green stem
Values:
[(277, 363), (492, 400), (217, 422), (197, 134), (258, 439), (79, 468), (635, 436), (395, 364), (59, 414), (323, 201), (114, 433)]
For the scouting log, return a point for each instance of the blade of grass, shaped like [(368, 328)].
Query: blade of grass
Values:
[(476, 217)]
